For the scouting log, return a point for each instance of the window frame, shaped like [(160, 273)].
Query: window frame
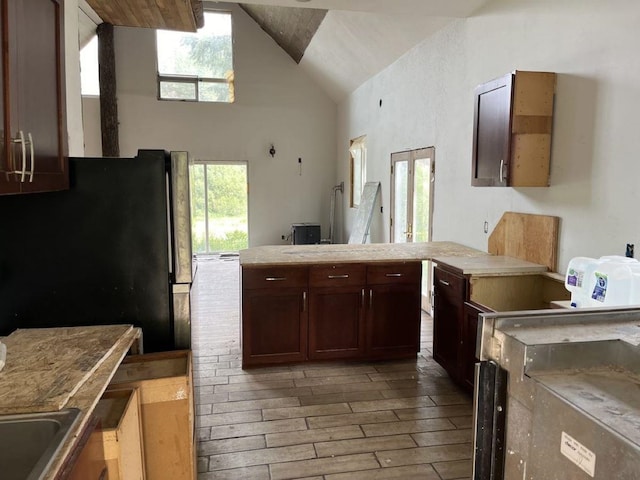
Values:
[(196, 80)]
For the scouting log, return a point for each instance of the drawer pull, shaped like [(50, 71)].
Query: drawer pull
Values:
[(275, 279), (444, 282), (338, 276), (393, 275)]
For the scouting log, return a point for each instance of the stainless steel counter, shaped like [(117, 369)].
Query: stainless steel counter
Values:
[(573, 404)]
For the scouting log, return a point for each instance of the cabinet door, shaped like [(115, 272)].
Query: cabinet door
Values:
[(33, 98), (393, 309), (8, 183), (492, 133), (39, 112), (274, 325), (336, 322), (336, 311), (393, 320), (449, 295)]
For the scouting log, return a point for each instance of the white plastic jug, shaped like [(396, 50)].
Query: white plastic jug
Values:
[(577, 279), (610, 283)]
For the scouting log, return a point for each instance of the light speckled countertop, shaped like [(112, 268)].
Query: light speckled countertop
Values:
[(490, 265), (78, 374), (353, 253)]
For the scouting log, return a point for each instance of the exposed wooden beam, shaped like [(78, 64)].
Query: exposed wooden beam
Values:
[(108, 99)]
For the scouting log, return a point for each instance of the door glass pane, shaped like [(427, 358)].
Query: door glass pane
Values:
[(198, 210), (227, 207), (401, 184), (421, 196), (219, 207)]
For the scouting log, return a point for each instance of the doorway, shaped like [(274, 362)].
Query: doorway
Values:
[(219, 207), (412, 177)]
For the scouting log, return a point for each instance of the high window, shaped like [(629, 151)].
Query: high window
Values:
[(197, 67), (89, 79)]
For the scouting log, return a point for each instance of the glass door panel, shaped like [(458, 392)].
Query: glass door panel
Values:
[(219, 207), (412, 204), (400, 211)]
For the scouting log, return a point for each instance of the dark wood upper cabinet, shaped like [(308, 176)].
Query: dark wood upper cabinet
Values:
[(34, 150), (513, 119)]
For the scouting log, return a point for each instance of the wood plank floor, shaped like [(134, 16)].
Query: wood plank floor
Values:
[(331, 421)]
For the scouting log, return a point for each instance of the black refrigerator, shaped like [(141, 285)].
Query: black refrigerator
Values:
[(115, 248)]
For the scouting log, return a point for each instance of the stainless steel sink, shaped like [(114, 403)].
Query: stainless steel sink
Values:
[(29, 442)]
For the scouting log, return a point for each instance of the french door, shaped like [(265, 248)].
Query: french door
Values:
[(412, 176)]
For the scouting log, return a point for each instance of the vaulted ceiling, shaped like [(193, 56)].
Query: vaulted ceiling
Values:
[(339, 43), (354, 39)]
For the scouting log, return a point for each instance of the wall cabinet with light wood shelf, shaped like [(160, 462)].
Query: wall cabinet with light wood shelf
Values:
[(513, 120)]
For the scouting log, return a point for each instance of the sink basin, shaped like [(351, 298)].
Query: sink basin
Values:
[(30, 441)]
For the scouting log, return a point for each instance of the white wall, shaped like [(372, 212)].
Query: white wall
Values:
[(275, 103), (427, 100), (72, 78)]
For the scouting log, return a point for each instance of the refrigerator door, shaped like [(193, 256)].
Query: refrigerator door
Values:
[(182, 315), (181, 257), (181, 217), (93, 255)]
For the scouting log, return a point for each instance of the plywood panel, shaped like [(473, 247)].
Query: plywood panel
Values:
[(46, 366), (181, 15), (165, 384), (533, 238)]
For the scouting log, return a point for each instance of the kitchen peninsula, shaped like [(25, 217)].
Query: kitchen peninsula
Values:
[(329, 302)]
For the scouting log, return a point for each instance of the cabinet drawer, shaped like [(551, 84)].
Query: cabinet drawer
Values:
[(449, 285), (394, 273), (337, 275), (274, 277)]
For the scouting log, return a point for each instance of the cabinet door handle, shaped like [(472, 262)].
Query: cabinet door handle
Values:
[(370, 299), (393, 275), (23, 155), (33, 158), (275, 279), (338, 276), (362, 302), (304, 301), (444, 282), (501, 170)]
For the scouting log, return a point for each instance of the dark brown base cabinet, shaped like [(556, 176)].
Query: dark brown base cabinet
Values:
[(455, 324), (449, 292), (460, 298), (330, 312)]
